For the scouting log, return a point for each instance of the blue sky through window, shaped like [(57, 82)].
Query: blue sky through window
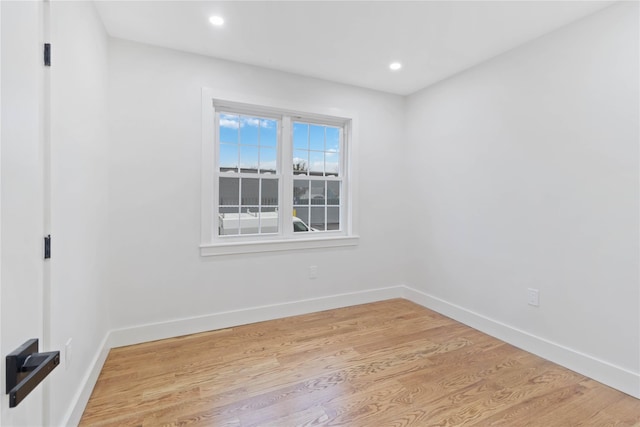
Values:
[(316, 137), (301, 136), (333, 139), (316, 149), (248, 143)]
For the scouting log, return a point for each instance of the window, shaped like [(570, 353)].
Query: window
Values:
[(317, 175), (247, 171), (274, 179)]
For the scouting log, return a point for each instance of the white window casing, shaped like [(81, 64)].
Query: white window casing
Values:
[(285, 239)]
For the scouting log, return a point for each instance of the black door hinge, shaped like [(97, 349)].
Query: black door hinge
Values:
[(47, 246), (47, 54)]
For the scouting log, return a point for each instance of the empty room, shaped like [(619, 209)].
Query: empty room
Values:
[(320, 213)]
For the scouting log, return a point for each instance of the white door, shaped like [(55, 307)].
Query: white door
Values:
[(21, 194)]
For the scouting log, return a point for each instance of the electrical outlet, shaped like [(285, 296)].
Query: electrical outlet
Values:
[(533, 297), (67, 354), (313, 271)]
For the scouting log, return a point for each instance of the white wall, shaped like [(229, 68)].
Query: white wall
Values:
[(21, 195), (79, 175), (526, 171), (156, 273)]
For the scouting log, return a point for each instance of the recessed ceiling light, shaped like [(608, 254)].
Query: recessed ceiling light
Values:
[(395, 66), (216, 20)]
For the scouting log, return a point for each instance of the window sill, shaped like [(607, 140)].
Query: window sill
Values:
[(277, 245)]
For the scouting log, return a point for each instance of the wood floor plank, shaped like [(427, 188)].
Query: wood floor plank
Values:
[(390, 363)]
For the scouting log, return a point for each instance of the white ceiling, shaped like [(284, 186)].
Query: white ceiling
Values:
[(349, 42)]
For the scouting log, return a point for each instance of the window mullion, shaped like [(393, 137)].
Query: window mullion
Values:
[(286, 165), (344, 173), (215, 176)]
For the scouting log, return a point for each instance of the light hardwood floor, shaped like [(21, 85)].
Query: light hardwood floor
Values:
[(391, 363)]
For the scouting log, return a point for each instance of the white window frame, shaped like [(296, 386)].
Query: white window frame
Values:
[(214, 102)]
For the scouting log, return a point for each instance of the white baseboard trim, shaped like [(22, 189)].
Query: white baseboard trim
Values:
[(210, 322), (227, 319), (604, 372), (79, 402), (600, 370)]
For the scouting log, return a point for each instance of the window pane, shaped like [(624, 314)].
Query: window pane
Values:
[(300, 161), (255, 215), (332, 164), (316, 137), (250, 189), (299, 226), (268, 132), (317, 219), (248, 159), (229, 209), (300, 136), (268, 220), (249, 130), (229, 125), (332, 139), (317, 192), (301, 192), (333, 192), (301, 213), (267, 160), (229, 191), (333, 218), (228, 157), (228, 221), (269, 192), (316, 163), (249, 220)]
